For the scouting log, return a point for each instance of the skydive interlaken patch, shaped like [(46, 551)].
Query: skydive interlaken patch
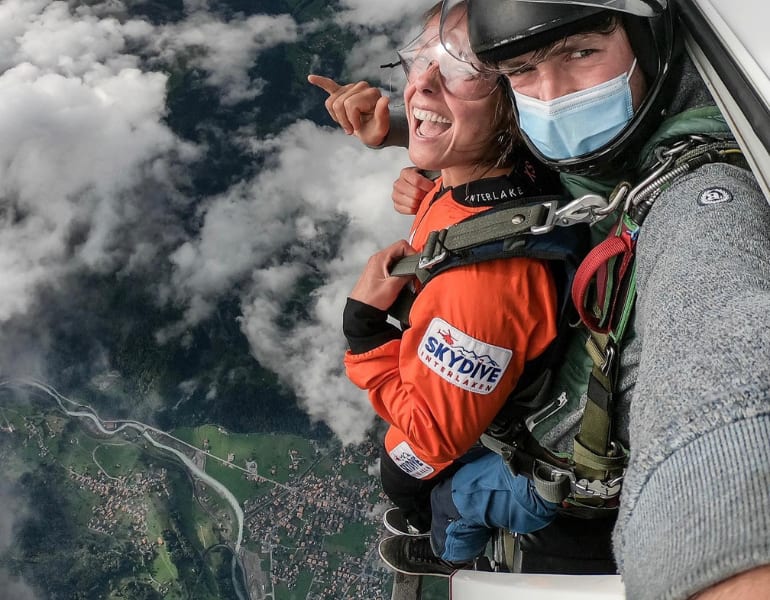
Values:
[(463, 360), (409, 462)]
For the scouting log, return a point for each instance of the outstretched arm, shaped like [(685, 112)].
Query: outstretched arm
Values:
[(697, 488)]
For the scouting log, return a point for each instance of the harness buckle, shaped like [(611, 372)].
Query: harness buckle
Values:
[(609, 358), (595, 488), (586, 209), (434, 251), (428, 262)]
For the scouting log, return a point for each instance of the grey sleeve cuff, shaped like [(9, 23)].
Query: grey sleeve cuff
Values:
[(702, 516), (398, 134)]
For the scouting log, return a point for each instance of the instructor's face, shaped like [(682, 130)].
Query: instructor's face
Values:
[(582, 61)]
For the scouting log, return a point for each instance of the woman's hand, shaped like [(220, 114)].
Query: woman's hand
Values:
[(409, 190), (358, 108), (376, 287)]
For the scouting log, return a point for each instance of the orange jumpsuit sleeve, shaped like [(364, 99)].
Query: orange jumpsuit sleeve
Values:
[(472, 329)]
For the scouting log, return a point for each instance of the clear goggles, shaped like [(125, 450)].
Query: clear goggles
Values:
[(460, 78)]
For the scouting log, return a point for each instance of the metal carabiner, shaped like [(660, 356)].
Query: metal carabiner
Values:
[(596, 488), (616, 197), (579, 210)]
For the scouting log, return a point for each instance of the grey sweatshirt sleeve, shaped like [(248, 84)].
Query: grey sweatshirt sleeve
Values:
[(398, 134), (696, 500)]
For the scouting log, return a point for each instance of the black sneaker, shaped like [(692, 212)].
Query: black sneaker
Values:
[(395, 522), (413, 556)]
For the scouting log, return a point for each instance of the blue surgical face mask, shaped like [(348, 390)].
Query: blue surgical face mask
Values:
[(580, 122)]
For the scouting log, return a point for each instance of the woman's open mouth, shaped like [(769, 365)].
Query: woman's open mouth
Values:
[(429, 124)]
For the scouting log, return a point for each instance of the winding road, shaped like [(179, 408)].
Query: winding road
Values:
[(86, 412)]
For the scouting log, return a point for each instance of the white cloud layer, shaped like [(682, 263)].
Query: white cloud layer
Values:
[(265, 235), (82, 127), (90, 172), (379, 15)]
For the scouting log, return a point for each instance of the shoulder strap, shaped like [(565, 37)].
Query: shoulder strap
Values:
[(509, 220), (507, 230)]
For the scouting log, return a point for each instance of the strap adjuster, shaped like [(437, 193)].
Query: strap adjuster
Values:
[(603, 358), (434, 251)]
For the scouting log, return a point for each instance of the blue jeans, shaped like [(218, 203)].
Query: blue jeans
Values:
[(480, 497)]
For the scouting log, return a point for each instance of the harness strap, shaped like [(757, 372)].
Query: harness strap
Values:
[(510, 220), (597, 462), (604, 294), (523, 455), (605, 268)]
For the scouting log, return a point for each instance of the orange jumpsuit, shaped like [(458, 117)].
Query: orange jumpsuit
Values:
[(471, 331)]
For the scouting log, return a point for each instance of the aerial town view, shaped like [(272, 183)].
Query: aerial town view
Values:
[(195, 512)]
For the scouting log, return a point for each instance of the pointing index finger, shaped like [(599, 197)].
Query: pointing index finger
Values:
[(327, 85)]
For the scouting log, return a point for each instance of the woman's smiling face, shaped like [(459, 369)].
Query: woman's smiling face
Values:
[(445, 132)]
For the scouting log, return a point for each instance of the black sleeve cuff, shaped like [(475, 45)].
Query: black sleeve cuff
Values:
[(366, 327)]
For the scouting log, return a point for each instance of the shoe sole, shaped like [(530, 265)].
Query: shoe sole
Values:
[(396, 531)]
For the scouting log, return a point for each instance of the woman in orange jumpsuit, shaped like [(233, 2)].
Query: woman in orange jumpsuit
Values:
[(472, 329)]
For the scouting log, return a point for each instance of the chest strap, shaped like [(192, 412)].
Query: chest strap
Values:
[(509, 220)]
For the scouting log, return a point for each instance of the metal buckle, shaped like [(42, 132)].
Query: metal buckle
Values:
[(435, 241), (666, 157), (548, 410), (580, 210), (593, 488), (598, 489), (428, 262), (609, 358)]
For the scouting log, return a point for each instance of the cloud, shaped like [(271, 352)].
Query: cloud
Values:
[(379, 15), (15, 588), (317, 211), (226, 51), (86, 151), (13, 511), (83, 130), (52, 37)]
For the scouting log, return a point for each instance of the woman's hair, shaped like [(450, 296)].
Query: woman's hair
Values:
[(433, 11), (504, 134)]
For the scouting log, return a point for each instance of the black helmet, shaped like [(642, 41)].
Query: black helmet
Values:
[(503, 29)]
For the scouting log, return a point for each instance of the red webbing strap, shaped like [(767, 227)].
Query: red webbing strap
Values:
[(605, 268), (603, 293)]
